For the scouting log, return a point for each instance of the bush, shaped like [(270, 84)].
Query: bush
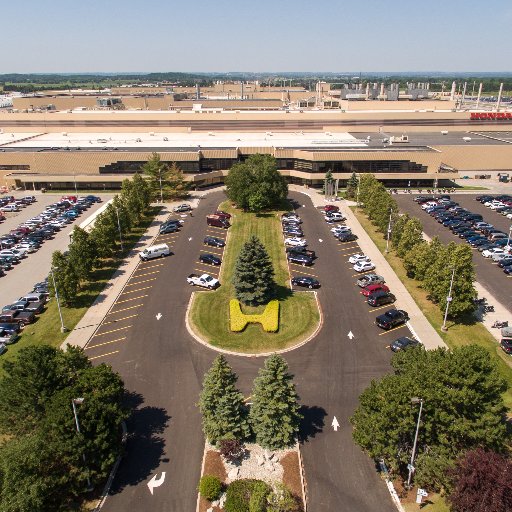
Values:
[(239, 495), (210, 487), (258, 500), (269, 319), (231, 449)]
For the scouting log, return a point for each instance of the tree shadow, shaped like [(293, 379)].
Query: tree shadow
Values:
[(281, 292), (312, 422), (145, 445)]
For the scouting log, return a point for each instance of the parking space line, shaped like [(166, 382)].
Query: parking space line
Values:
[(151, 266), (113, 330), (167, 237), (119, 319), (105, 343), (212, 251), (217, 229), (140, 282), (394, 329), (125, 309), (148, 273), (352, 248), (363, 273), (305, 273), (204, 271), (133, 298), (104, 355), (377, 309), (137, 290), (208, 266)]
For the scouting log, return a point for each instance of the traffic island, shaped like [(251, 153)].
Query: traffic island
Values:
[(274, 468), (208, 315)]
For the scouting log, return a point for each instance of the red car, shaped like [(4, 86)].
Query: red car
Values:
[(331, 208), (372, 288), (72, 199), (220, 213)]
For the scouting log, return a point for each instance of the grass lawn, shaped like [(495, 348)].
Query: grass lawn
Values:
[(47, 328), (209, 315), (433, 503), (458, 334)]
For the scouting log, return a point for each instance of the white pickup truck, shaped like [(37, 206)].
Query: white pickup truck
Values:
[(206, 281)]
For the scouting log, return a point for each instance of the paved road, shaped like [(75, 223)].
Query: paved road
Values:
[(487, 272), (35, 267), (163, 369)]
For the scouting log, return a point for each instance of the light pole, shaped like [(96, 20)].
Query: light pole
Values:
[(508, 239), (119, 228), (74, 403), (357, 193), (62, 327), (389, 230), (448, 300), (160, 179), (410, 466)]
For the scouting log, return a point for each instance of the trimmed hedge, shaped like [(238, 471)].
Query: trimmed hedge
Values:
[(240, 495), (269, 319), (210, 487)]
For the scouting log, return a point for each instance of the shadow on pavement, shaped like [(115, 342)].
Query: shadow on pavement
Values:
[(312, 422), (145, 446)]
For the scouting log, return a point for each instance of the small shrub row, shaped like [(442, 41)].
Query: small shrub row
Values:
[(269, 319), (210, 487)]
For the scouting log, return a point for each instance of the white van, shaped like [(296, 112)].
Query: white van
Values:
[(155, 251)]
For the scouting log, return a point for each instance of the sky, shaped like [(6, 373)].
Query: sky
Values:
[(256, 35)]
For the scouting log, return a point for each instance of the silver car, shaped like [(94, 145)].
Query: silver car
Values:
[(370, 279)]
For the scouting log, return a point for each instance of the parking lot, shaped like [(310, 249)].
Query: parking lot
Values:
[(35, 267), (487, 272)]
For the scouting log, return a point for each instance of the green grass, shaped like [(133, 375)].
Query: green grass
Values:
[(459, 334), (433, 503), (47, 328), (209, 314)]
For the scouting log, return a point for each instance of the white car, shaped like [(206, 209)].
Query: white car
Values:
[(499, 254), (10, 253), (340, 229), (27, 247), (364, 266), (355, 258), (334, 216), (20, 252), (488, 253), (295, 242), (9, 208)]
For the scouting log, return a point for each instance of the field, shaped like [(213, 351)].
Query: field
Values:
[(209, 315)]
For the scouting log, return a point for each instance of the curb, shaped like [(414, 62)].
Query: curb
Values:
[(202, 474), (303, 480)]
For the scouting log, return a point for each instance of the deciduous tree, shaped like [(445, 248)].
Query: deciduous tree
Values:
[(82, 253), (274, 413), (411, 236), (64, 278), (352, 184)]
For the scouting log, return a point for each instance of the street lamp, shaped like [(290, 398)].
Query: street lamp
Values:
[(389, 230), (74, 403), (160, 179), (119, 228), (357, 193), (62, 327), (448, 300), (415, 400)]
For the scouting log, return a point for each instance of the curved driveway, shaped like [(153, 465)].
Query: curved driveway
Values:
[(163, 368)]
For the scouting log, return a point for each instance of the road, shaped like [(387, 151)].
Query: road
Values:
[(487, 272), (36, 266), (163, 368)]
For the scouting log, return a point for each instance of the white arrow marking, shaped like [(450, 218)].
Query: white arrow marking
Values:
[(303, 206), (159, 316), (320, 240), (190, 239), (335, 424), (351, 335), (154, 482)]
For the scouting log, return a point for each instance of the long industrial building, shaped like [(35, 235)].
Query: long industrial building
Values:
[(404, 146)]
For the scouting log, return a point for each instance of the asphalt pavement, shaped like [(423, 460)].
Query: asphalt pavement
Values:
[(144, 338)]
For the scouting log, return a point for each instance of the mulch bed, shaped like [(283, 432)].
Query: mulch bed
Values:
[(213, 465), (291, 476)]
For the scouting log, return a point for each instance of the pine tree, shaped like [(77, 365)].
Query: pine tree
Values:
[(253, 278), (221, 404), (274, 413), (352, 184)]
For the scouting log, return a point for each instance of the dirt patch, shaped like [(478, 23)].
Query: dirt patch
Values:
[(214, 466), (291, 476)]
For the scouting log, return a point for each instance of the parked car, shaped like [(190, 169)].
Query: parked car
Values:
[(403, 343), (358, 257), (21, 318), (8, 337), (346, 237), (300, 259), (210, 259), (392, 318), (369, 279), (222, 214), (295, 242), (3, 348), (308, 282), (168, 228), (380, 298), (301, 250), (375, 287), (364, 266), (182, 208), (331, 208), (506, 345), (214, 241)]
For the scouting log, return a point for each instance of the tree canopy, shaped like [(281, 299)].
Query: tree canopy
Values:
[(165, 182), (256, 184)]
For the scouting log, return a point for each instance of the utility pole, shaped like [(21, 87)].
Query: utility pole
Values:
[(62, 327), (119, 228), (389, 230), (410, 466), (448, 300)]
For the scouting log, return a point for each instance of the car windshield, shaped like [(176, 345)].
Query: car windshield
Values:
[(208, 278)]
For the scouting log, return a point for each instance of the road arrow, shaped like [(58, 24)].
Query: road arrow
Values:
[(351, 335), (190, 239), (335, 424), (159, 316), (154, 482), (320, 240)]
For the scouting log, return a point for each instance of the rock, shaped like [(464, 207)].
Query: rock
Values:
[(222, 501), (271, 456), (266, 454), (215, 503), (269, 467), (209, 509), (233, 473), (260, 460)]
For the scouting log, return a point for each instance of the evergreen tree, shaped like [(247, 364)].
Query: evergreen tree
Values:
[(274, 413), (411, 236), (253, 278), (352, 184), (221, 404), (64, 278), (82, 253), (176, 186)]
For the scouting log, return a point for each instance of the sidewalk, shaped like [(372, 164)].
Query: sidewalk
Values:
[(418, 324), (93, 317)]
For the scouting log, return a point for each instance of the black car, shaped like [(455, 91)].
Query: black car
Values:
[(403, 343), (301, 259), (301, 250), (505, 262), (392, 318), (168, 228), (346, 237), (380, 298), (308, 282), (293, 232), (214, 241), (506, 345), (210, 259), (10, 328)]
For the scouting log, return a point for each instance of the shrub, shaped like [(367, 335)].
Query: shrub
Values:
[(239, 495), (258, 500), (231, 449), (210, 487), (269, 319)]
